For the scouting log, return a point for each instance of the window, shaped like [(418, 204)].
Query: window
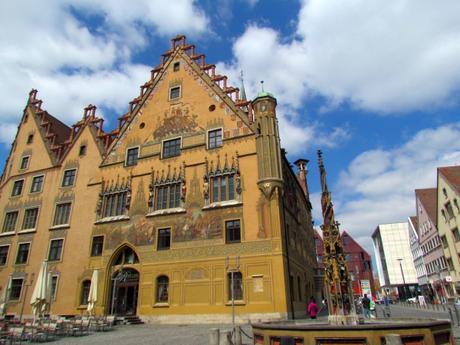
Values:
[(54, 282), (456, 205), (82, 151), (131, 156), (171, 148), (223, 187), (450, 264), (30, 219), (176, 66), (55, 250), (450, 211), (456, 234), (215, 138), (30, 138), (162, 289), (25, 162), (164, 239), (114, 204), (37, 184), (85, 286), (97, 246), (3, 255), (237, 285), (62, 214), (232, 231), (444, 191), (69, 177), (23, 253), (168, 196), (17, 188), (174, 92), (9, 224), (16, 287)]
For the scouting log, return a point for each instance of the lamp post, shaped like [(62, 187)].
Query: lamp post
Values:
[(404, 280)]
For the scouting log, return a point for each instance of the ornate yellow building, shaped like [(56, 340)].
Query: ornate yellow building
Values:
[(191, 188)]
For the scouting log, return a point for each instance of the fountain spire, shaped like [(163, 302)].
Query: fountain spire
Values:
[(336, 278)]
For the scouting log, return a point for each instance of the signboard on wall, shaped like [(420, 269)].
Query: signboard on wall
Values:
[(366, 287)]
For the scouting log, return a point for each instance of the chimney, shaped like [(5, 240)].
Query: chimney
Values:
[(302, 176)]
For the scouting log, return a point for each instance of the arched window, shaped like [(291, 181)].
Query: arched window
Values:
[(162, 289), (126, 256), (237, 286), (85, 286)]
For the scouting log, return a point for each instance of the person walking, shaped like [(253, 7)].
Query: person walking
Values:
[(366, 302), (312, 308)]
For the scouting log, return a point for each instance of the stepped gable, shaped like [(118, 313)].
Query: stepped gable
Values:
[(231, 95), (452, 175), (54, 132), (428, 197), (59, 137)]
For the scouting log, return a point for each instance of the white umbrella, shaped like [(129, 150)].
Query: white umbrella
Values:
[(92, 296), (40, 295), (4, 297)]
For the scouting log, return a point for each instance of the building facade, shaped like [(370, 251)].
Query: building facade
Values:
[(394, 261), (417, 255), (190, 198), (430, 243), (448, 221)]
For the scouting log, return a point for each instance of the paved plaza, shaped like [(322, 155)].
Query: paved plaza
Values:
[(199, 334)]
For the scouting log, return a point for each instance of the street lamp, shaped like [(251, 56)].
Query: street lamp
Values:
[(402, 273)]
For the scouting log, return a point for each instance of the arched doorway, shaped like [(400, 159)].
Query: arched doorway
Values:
[(124, 283)]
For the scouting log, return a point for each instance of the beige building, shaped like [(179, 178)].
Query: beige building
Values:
[(448, 220), (190, 189)]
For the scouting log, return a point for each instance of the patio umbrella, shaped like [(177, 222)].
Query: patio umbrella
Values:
[(40, 296), (92, 296), (4, 297)]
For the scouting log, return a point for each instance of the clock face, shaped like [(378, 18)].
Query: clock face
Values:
[(263, 107)]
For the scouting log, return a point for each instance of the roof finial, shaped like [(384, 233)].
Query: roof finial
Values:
[(262, 85)]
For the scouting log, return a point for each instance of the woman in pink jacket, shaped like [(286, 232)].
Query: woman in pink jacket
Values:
[(312, 308)]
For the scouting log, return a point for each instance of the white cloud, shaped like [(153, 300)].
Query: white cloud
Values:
[(378, 185), (47, 46), (383, 56)]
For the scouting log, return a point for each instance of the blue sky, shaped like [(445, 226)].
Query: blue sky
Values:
[(374, 84)]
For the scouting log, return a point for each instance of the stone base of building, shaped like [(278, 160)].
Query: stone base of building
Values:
[(213, 318)]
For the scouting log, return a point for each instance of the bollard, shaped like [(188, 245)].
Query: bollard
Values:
[(393, 339), (214, 336), (226, 338), (237, 332)]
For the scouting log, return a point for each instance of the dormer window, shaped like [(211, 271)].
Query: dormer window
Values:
[(174, 93), (25, 162)]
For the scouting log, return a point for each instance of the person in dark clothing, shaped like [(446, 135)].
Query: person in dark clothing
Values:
[(366, 306)]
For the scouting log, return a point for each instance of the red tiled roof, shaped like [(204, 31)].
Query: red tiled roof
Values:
[(452, 175), (427, 198)]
